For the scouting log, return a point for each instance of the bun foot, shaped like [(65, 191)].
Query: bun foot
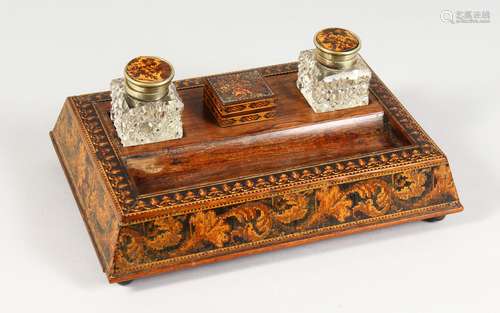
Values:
[(125, 283), (435, 219)]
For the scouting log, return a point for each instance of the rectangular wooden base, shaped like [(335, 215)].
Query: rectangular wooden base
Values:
[(219, 193)]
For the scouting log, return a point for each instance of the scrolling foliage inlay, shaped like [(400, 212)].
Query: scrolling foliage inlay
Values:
[(282, 215), (96, 204)]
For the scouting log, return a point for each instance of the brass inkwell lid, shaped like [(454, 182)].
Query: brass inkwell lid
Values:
[(336, 47), (148, 78)]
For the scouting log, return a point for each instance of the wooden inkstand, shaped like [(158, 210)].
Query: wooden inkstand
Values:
[(223, 192)]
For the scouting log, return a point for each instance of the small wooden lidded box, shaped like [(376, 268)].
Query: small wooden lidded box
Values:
[(239, 98), (222, 192)]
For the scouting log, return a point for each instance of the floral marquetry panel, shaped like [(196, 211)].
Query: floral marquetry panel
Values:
[(95, 202), (282, 217)]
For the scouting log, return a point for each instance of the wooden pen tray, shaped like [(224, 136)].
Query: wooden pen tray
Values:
[(218, 193)]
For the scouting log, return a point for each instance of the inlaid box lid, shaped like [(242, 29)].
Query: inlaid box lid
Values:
[(239, 94)]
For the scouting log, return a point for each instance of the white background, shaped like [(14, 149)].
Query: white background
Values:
[(447, 75)]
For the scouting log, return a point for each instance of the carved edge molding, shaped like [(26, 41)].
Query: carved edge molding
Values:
[(133, 206)]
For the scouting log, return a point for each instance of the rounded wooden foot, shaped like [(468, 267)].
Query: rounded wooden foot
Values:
[(125, 283), (435, 219)]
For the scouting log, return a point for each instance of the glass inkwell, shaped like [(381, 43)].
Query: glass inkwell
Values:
[(333, 76), (146, 107)]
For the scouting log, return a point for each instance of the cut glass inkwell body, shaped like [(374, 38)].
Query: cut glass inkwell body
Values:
[(146, 107), (333, 76)]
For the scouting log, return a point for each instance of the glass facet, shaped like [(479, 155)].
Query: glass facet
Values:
[(327, 89), (139, 122)]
